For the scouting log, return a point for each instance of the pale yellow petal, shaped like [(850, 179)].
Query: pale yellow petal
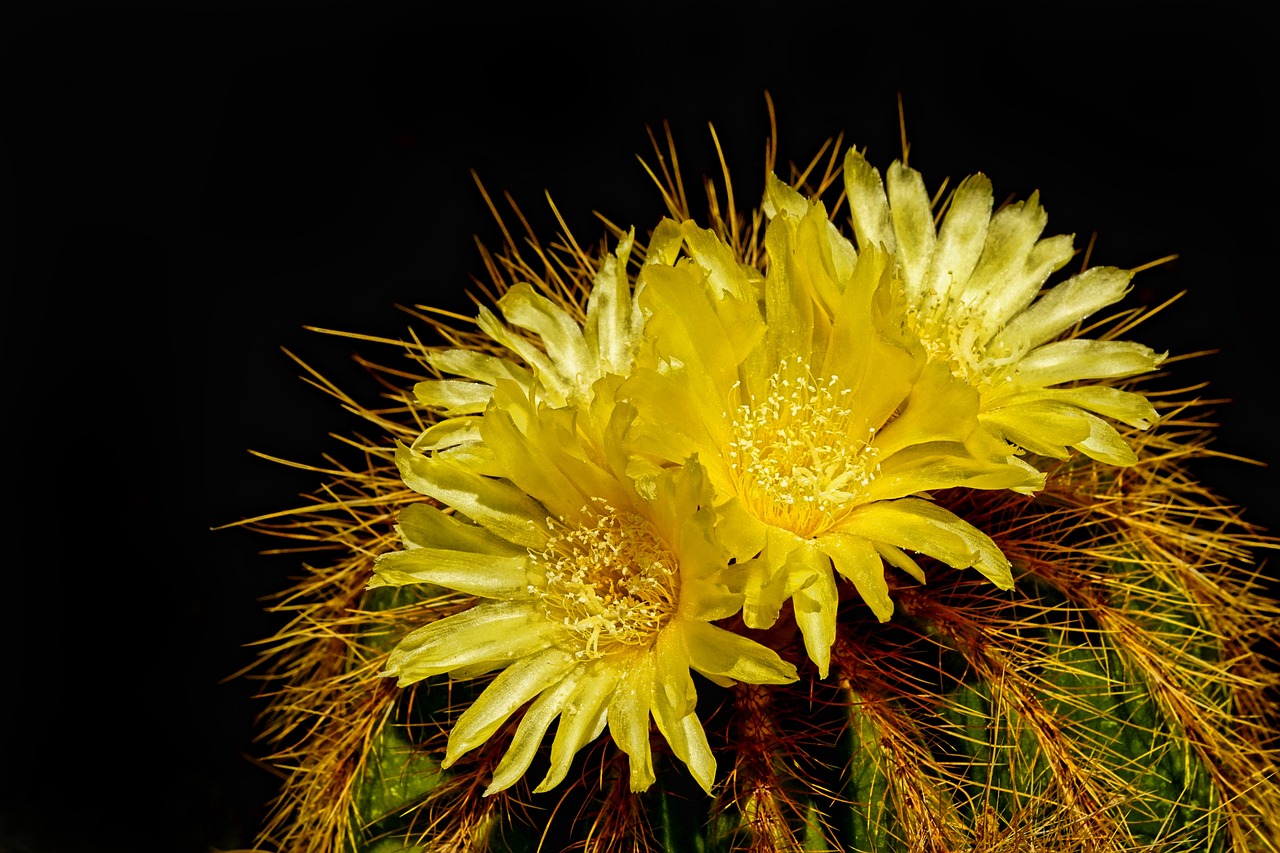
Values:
[(531, 730), (479, 366), (868, 204), (496, 631), (448, 433), (912, 214), (1024, 282), (779, 197), (1106, 445), (555, 385), (664, 243), (858, 561), (1067, 361), (725, 274), (899, 559), (453, 396), (561, 335), (960, 240), (581, 721), (497, 506), (1125, 406), (1011, 235), (715, 651), (612, 324), (918, 525), (422, 525), (1046, 427), (465, 571), (1062, 307), (674, 698), (523, 679), (815, 604), (946, 465), (629, 718)]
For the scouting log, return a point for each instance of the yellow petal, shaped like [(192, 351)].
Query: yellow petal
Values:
[(422, 525), (465, 571), (479, 366), (1125, 406), (1106, 445), (1063, 306), (448, 433), (673, 703), (815, 605), (946, 465), (858, 561), (1067, 361), (612, 322), (453, 396), (939, 408), (629, 718), (868, 203), (560, 333), (715, 651), (1046, 427), (725, 274), (919, 525), (912, 214), (492, 632), (960, 240), (532, 729), (515, 685), (497, 506), (581, 721)]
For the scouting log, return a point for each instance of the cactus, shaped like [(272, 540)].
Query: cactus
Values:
[(1102, 680)]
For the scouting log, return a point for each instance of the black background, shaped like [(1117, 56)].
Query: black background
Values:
[(195, 183)]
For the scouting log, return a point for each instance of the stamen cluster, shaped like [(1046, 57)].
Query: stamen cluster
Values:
[(613, 584)]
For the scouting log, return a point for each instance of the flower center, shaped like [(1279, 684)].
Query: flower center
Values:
[(614, 584), (795, 455), (953, 333)]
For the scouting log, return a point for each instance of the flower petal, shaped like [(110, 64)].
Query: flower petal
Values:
[(498, 506), (453, 396), (1067, 361), (484, 575), (629, 718), (960, 240), (858, 561), (945, 465), (531, 731), (422, 525), (868, 203), (493, 631), (815, 604), (515, 685), (1063, 306), (912, 215), (715, 651), (919, 525), (673, 704), (581, 722)]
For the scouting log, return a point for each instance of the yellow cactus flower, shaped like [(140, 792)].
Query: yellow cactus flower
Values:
[(593, 601), (546, 346), (971, 292), (820, 433)]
